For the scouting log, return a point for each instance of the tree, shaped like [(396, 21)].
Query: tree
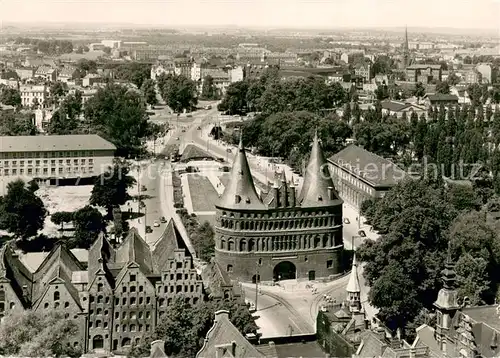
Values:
[(235, 100), (203, 241), (57, 91), (178, 92), (403, 266), (22, 213), (133, 72), (149, 92), (119, 115), (10, 97), (419, 90), (16, 124), (61, 218), (208, 90), (89, 223), (38, 334), (453, 79), (443, 88), (111, 188)]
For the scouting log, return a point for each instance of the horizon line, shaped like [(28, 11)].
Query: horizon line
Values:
[(229, 26)]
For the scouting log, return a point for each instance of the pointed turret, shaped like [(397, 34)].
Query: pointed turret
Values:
[(448, 295), (353, 288), (318, 188), (447, 302), (240, 192), (406, 50)]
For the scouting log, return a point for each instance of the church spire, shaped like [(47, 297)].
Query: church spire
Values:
[(240, 192), (406, 50), (353, 288), (318, 189)]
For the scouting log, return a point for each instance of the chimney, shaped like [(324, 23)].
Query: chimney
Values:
[(276, 192), (292, 195), (330, 193)]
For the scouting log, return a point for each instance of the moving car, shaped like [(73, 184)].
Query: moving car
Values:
[(346, 221), (156, 223), (163, 220), (199, 128), (208, 107), (362, 233), (148, 230), (143, 188)]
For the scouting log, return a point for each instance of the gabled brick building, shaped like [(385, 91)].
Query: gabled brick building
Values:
[(120, 297)]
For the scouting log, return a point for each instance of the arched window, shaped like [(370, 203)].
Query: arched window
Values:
[(251, 245), (230, 245), (98, 342), (2, 295), (243, 245), (57, 296), (223, 244), (99, 287), (126, 342)]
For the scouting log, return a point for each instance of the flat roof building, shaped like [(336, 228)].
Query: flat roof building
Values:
[(54, 157)]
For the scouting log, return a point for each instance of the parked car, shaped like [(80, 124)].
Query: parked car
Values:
[(143, 188), (183, 130), (362, 233), (189, 115), (163, 220), (346, 221), (149, 230), (177, 138), (199, 128), (156, 223)]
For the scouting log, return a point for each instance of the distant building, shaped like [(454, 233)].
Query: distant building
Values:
[(397, 108), (33, 95), (255, 70), (164, 67), (25, 73), (364, 70), (423, 73), (359, 174), (67, 74), (112, 44), (437, 99), (486, 72), (236, 74), (54, 158), (472, 77), (46, 73)]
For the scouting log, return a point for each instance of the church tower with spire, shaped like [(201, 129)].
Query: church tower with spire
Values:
[(446, 303), (406, 50), (280, 234)]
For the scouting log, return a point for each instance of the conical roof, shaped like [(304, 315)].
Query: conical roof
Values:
[(317, 180), (240, 192), (353, 284)]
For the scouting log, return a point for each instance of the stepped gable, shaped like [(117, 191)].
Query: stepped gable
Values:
[(240, 193), (166, 246), (318, 189), (135, 249)]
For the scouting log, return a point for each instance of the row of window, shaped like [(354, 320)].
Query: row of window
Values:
[(45, 171), (132, 315), (276, 214), (54, 154), (45, 162)]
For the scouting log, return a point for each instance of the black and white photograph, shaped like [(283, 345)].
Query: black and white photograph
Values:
[(249, 178)]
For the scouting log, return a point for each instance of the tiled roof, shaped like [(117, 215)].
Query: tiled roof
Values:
[(43, 143), (369, 166), (393, 106), (135, 249), (371, 345), (223, 333), (170, 241), (306, 349), (442, 97)]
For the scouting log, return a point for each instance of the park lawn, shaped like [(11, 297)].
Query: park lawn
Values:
[(203, 194)]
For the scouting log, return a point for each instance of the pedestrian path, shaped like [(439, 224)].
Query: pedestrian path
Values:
[(188, 202), (214, 179)]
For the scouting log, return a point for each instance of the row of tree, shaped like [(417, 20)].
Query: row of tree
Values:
[(417, 220)]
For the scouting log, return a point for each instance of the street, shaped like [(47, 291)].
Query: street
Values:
[(290, 308)]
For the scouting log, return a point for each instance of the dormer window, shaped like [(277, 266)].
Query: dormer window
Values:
[(237, 199)]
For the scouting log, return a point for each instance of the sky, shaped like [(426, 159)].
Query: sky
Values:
[(478, 14)]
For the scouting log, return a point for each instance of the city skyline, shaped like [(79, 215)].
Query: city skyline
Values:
[(482, 14)]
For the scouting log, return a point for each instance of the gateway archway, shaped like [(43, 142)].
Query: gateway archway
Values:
[(285, 270)]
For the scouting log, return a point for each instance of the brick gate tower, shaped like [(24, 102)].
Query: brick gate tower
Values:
[(280, 235)]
